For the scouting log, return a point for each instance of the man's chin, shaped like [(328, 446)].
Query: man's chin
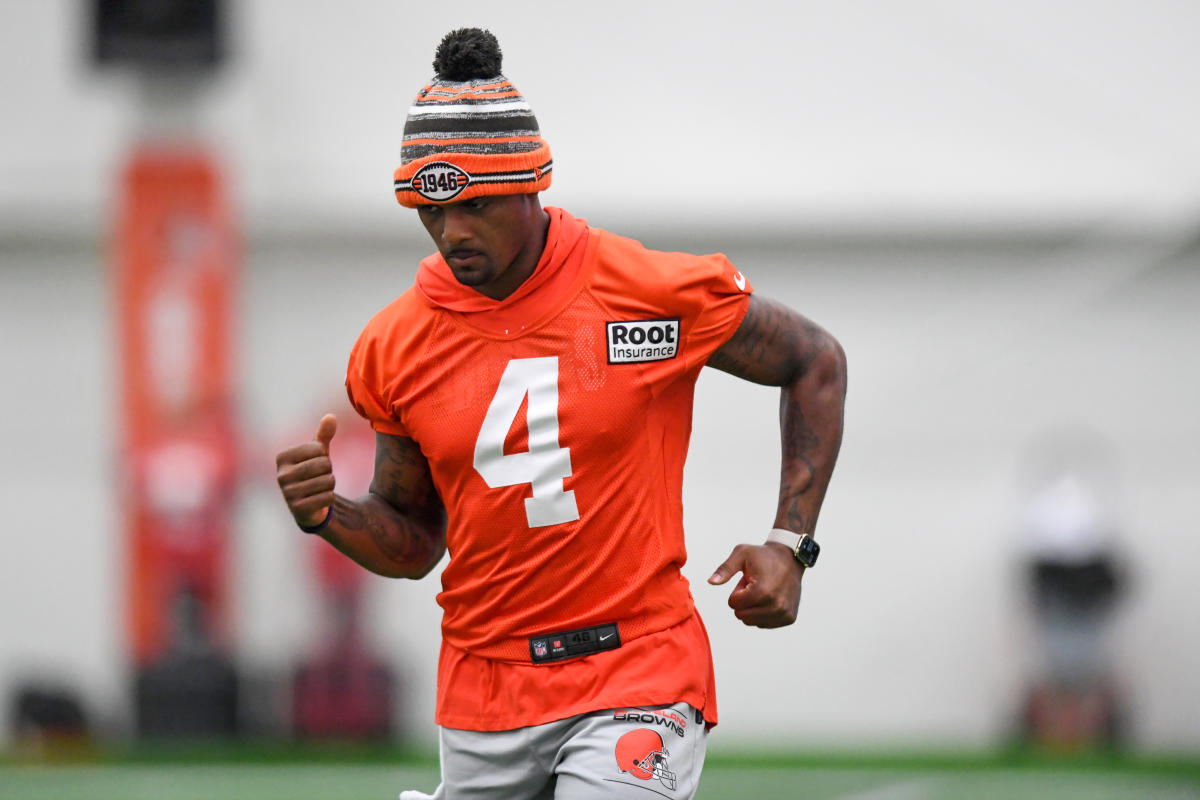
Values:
[(470, 277)]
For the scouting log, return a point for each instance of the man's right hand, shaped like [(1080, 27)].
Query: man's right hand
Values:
[(305, 476)]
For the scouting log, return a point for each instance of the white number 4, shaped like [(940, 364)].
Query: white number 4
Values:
[(545, 464)]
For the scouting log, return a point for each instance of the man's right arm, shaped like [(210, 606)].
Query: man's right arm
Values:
[(397, 529)]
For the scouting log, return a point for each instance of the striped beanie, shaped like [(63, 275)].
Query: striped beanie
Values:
[(470, 132)]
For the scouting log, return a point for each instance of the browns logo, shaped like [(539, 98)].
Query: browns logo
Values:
[(440, 181), (641, 754)]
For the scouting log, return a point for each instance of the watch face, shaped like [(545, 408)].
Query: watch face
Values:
[(808, 550)]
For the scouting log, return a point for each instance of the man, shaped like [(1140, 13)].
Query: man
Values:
[(532, 399)]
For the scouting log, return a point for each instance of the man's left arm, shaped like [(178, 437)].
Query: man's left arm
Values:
[(778, 347)]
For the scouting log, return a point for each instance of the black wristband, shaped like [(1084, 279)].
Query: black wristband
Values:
[(320, 526)]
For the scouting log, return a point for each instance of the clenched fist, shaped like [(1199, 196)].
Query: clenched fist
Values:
[(768, 595), (305, 476)]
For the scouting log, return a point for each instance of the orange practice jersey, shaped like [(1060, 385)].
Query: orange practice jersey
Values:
[(556, 425)]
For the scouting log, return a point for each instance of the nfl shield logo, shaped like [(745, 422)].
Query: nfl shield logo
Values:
[(539, 648)]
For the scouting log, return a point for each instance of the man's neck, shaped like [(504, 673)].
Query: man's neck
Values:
[(526, 261)]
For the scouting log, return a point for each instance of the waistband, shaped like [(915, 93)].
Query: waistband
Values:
[(524, 649)]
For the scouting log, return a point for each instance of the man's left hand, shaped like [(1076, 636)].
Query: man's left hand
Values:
[(768, 595)]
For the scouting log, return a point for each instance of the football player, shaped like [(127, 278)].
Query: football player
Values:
[(531, 396)]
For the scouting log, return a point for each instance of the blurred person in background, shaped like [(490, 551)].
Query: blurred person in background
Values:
[(531, 397), (1075, 574)]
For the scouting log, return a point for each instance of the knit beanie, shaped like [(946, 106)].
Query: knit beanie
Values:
[(470, 132)]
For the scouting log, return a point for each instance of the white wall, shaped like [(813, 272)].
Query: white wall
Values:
[(910, 627), (929, 112)]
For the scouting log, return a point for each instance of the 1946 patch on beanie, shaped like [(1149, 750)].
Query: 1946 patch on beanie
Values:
[(470, 132)]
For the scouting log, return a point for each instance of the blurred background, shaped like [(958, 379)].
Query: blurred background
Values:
[(994, 206)]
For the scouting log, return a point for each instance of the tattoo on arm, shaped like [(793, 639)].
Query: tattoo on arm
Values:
[(398, 539), (402, 477), (772, 346), (402, 513), (776, 346), (798, 472)]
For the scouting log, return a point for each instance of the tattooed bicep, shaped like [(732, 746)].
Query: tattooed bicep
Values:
[(773, 345), (402, 476)]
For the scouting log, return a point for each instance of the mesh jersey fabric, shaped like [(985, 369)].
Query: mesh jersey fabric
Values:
[(525, 389)]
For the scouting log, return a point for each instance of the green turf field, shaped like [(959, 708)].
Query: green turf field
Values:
[(729, 777)]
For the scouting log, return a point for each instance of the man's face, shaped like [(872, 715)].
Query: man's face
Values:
[(492, 243)]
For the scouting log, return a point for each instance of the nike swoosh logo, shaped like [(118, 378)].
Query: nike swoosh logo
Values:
[(602, 638), (740, 280)]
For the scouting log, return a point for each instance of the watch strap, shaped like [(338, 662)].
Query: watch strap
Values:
[(784, 537), (807, 556)]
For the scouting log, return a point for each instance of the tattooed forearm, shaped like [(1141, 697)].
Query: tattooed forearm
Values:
[(778, 347), (398, 528), (397, 538), (798, 474), (373, 533)]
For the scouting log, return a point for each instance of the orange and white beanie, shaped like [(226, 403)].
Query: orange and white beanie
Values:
[(470, 132)]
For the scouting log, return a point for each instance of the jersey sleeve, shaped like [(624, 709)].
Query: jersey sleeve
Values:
[(715, 296), (366, 386)]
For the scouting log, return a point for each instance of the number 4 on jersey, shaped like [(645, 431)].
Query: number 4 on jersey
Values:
[(545, 464)]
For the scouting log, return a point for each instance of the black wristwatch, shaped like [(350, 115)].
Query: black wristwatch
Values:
[(803, 547)]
